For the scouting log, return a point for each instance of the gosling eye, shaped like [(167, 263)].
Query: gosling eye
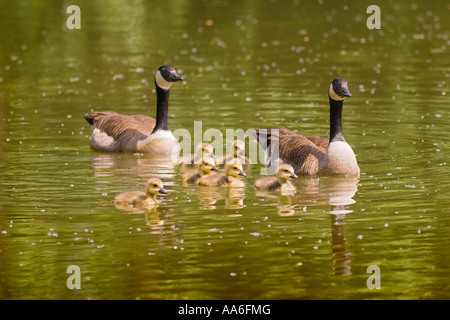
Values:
[(155, 186)]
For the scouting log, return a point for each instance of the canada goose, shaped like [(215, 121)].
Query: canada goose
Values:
[(316, 155), (203, 150), (231, 177), (237, 151), (142, 199), (280, 182), (204, 169), (113, 132)]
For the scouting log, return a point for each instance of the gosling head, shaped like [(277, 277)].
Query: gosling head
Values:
[(238, 148), (166, 76), (205, 150), (207, 166), (155, 187), (286, 172), (234, 169), (339, 89)]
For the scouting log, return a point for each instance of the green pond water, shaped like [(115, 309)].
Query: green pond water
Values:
[(246, 64)]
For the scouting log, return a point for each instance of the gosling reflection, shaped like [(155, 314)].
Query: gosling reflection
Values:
[(235, 198), (281, 201), (210, 198)]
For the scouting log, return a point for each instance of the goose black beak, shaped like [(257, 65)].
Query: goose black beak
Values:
[(162, 191), (345, 92), (175, 77)]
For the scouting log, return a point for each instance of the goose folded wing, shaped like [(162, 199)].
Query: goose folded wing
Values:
[(300, 152)]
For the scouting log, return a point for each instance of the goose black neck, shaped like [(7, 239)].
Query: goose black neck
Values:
[(162, 109), (336, 120)]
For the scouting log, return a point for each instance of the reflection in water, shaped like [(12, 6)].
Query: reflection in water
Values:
[(209, 196), (341, 257), (107, 165), (235, 198), (336, 191), (340, 192)]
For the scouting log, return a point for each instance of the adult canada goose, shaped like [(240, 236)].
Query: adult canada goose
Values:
[(237, 151), (113, 132), (142, 199), (206, 167), (203, 150), (280, 182), (231, 177), (316, 155)]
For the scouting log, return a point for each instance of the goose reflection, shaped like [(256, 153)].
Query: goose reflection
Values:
[(112, 165), (339, 192)]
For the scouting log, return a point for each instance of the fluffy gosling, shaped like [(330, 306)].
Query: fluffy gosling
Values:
[(207, 166), (280, 182), (142, 199), (231, 177)]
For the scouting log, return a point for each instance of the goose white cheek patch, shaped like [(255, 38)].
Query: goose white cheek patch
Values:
[(334, 95), (161, 82)]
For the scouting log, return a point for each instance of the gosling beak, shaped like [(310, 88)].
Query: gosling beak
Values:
[(214, 168), (242, 173), (212, 155), (162, 191), (293, 175), (243, 153)]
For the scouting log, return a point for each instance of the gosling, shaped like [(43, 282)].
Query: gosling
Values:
[(281, 182), (203, 150), (231, 177), (207, 166), (237, 151), (142, 199)]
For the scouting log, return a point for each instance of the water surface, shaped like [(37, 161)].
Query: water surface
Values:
[(258, 64)]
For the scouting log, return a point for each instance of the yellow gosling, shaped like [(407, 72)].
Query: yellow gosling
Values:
[(231, 177)]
